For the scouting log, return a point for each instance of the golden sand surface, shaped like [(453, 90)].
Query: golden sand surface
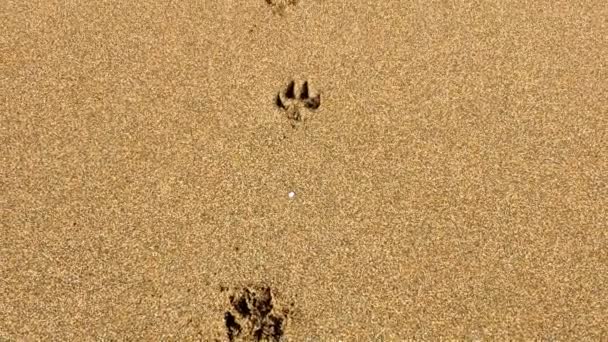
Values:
[(442, 175)]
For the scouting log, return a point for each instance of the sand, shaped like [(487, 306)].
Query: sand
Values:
[(450, 184)]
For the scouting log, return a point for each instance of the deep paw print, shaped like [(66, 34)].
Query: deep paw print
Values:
[(297, 102), (279, 6), (253, 316)]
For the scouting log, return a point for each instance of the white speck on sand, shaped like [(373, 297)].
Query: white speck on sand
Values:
[(291, 194)]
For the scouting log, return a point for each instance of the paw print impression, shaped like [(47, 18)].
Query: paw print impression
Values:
[(297, 102), (254, 317), (278, 6)]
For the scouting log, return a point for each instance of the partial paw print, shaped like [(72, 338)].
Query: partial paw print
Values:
[(297, 102), (279, 6), (253, 316)]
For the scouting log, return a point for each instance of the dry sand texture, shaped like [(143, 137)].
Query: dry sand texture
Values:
[(452, 182)]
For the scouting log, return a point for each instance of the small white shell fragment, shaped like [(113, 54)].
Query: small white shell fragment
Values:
[(291, 194)]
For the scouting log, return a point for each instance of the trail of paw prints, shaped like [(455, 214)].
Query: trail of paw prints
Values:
[(279, 6), (252, 316), (297, 102)]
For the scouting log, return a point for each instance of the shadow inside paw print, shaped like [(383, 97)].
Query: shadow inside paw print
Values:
[(253, 316), (293, 101)]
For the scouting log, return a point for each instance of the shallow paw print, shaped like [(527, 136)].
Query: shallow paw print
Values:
[(279, 6)]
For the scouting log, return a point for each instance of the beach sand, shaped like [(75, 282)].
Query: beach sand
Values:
[(448, 184)]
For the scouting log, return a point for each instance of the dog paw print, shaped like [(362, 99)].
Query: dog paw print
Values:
[(297, 102), (253, 316), (279, 6)]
